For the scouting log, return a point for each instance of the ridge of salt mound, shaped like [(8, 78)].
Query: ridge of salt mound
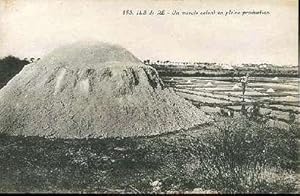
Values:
[(92, 90), (89, 53), (270, 90), (275, 78)]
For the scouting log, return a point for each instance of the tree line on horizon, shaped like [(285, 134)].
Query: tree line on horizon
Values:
[(10, 66)]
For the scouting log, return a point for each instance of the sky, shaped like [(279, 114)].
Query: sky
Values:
[(32, 28)]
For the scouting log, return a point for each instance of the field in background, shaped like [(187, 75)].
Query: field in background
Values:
[(278, 97)]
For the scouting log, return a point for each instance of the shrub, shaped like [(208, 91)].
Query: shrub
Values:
[(9, 67), (243, 156)]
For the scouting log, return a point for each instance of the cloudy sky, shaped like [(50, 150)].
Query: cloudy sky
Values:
[(32, 28)]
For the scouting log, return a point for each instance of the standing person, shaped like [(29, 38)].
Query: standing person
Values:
[(244, 81)]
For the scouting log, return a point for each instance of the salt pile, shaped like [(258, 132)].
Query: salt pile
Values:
[(270, 90), (236, 87), (92, 90), (275, 78), (290, 98), (209, 84)]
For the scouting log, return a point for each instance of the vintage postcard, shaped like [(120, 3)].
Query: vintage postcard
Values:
[(149, 96)]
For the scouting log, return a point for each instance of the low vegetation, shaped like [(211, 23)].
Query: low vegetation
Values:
[(232, 155), (214, 70)]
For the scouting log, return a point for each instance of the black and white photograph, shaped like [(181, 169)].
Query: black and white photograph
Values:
[(149, 96)]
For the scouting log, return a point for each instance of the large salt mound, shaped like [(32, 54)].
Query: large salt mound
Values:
[(92, 90)]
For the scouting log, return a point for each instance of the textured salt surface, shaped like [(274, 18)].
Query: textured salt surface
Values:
[(92, 90)]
